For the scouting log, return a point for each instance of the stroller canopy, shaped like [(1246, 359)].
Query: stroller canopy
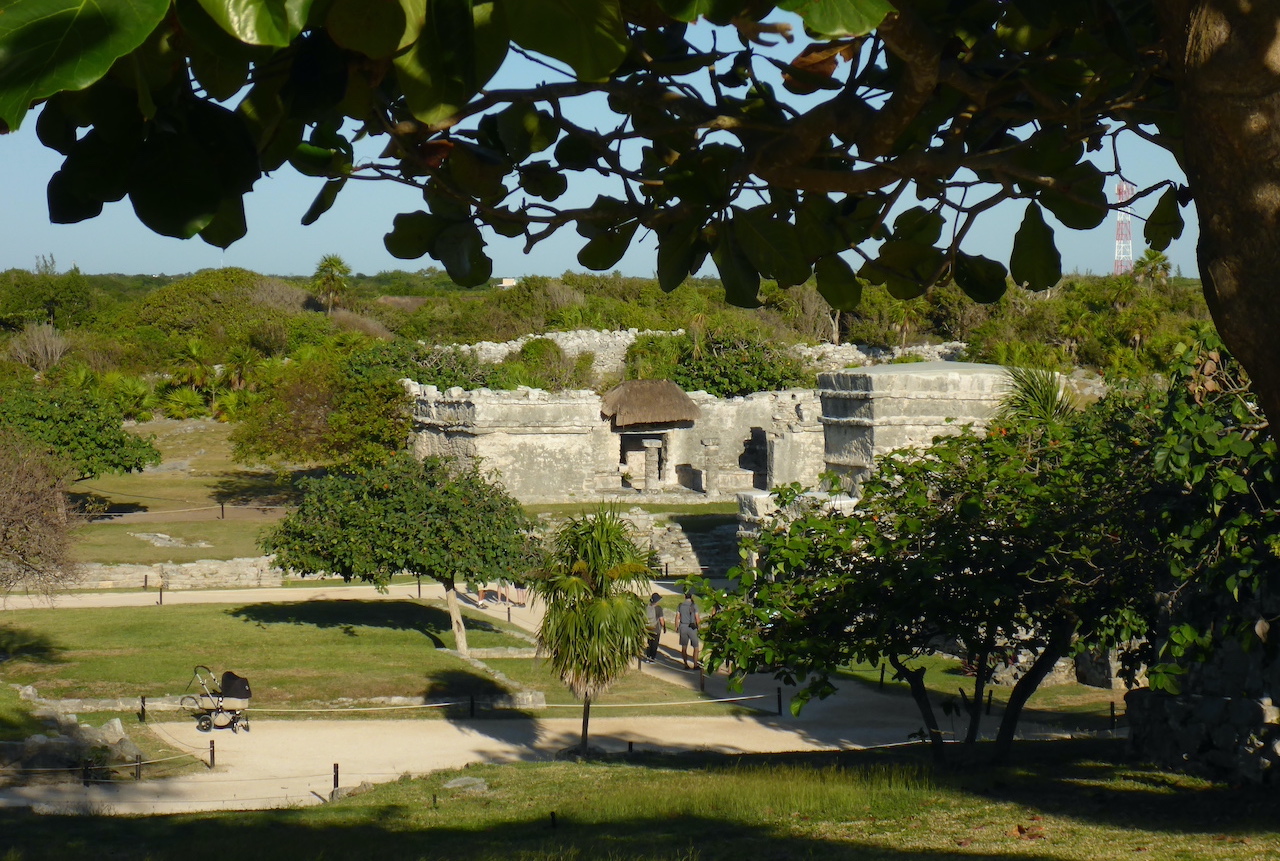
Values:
[(235, 686)]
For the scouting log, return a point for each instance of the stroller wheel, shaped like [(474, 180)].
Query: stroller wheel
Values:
[(204, 723), (244, 725)]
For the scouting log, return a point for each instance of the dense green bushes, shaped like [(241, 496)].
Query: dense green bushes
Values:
[(725, 360)]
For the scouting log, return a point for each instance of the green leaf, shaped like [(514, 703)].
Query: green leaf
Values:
[(576, 152), (816, 222), (1165, 222), (48, 46), (413, 234), (606, 248), (588, 35), (716, 11), (1081, 202), (837, 283), (375, 28), (677, 252), (228, 223), (906, 269), (1035, 262), (324, 200), (983, 279), (919, 225), (460, 247), (740, 279), (525, 130), (541, 179), (260, 22), (68, 203), (477, 172), (443, 70), (771, 245), (504, 222), (835, 19)]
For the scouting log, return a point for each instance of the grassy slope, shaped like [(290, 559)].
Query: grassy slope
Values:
[(1068, 801)]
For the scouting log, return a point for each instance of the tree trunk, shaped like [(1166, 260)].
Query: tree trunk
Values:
[(1058, 643), (1223, 55), (455, 617), (586, 718), (919, 693), (979, 687)]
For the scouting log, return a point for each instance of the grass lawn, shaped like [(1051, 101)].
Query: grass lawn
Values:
[(1077, 706), (635, 687), (115, 543), (291, 653), (1066, 801)]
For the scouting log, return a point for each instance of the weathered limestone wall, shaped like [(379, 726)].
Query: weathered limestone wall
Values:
[(1224, 738), (550, 447), (868, 412), (204, 574)]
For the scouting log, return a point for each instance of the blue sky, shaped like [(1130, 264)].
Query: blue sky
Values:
[(278, 244)]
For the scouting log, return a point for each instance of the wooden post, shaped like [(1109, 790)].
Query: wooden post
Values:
[(419, 587), (213, 754), (85, 774), (779, 702), (335, 775), (1113, 714), (990, 696), (473, 705), (142, 714), (137, 766), (223, 515), (161, 601)]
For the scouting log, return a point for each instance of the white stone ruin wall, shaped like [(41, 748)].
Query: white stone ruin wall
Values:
[(869, 412), (203, 574)]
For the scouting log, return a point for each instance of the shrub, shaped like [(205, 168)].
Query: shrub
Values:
[(39, 346)]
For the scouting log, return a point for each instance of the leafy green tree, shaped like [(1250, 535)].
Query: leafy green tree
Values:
[(594, 625), (77, 427), (329, 407), (1033, 539), (776, 165), (330, 280), (431, 518)]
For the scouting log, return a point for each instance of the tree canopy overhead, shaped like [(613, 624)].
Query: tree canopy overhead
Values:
[(776, 161)]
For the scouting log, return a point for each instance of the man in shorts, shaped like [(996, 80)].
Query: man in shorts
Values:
[(687, 626)]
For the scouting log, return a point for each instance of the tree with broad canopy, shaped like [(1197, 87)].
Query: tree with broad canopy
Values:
[(431, 518), (1034, 540), (776, 165)]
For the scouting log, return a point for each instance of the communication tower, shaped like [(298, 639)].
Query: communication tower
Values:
[(1124, 229)]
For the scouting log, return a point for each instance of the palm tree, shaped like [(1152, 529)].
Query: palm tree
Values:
[(1037, 394), (330, 279), (594, 624)]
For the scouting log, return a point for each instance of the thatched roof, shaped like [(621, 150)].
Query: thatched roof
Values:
[(649, 402)]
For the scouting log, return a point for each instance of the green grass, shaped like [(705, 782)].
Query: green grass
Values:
[(292, 653), (635, 687), (115, 543), (16, 722), (1076, 706), (1065, 802)]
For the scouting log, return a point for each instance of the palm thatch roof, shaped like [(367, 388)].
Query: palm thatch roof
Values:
[(649, 402)]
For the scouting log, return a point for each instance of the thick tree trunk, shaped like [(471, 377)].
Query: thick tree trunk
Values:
[(586, 718), (1225, 56), (455, 617), (1057, 645), (919, 693)]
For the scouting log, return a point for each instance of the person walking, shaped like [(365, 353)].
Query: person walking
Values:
[(657, 627), (687, 626)]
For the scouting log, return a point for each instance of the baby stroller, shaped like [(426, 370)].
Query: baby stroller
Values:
[(218, 706)]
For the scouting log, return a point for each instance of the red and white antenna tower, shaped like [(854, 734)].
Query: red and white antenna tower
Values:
[(1124, 228)]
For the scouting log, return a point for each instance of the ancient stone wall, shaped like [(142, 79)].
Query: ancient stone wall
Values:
[(204, 574), (868, 412), (1225, 738)]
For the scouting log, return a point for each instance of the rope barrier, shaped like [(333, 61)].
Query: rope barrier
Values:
[(80, 768), (360, 708), (649, 705)]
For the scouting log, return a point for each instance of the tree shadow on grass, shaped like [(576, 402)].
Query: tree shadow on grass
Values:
[(400, 832), (20, 644), (252, 488), (1077, 778), (431, 622), (98, 506)]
